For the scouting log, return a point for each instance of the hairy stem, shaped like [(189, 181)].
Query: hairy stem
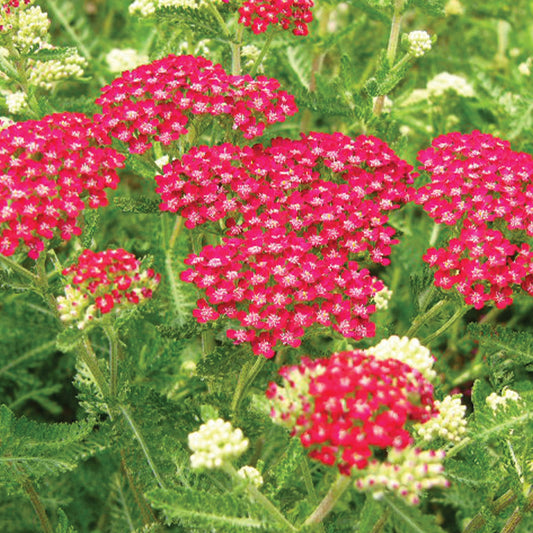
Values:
[(380, 524), (456, 316), (248, 373), (479, 521), (58, 13), (264, 50), (142, 443), (236, 51), (262, 500), (392, 47), (423, 318), (88, 356), (112, 336), (35, 500), (330, 499), (308, 482), (18, 268)]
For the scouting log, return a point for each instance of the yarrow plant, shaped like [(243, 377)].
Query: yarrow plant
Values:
[(233, 301)]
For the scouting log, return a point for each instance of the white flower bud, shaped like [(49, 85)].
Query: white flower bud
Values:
[(251, 474), (419, 43), (215, 443), (121, 59), (496, 401), (446, 82), (31, 27), (449, 424), (409, 351), (16, 102), (382, 297)]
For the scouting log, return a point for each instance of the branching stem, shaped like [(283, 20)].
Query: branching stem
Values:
[(330, 499)]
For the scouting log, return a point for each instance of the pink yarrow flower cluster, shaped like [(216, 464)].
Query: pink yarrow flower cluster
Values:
[(477, 180), (155, 102), (289, 14), (288, 259), (329, 188), (346, 407), (102, 282), (49, 169)]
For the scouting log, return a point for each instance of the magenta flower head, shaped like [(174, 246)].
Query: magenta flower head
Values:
[(104, 282), (155, 102), (346, 407), (329, 188), (480, 184), (49, 170), (289, 14)]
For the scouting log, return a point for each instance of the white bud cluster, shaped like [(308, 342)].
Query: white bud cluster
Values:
[(406, 473), (46, 73), (409, 351), (215, 443), (30, 28), (143, 8), (74, 307), (445, 82), (419, 43), (121, 59), (16, 102), (291, 401), (525, 67), (449, 424), (496, 401), (382, 297), (250, 54), (454, 7), (252, 475)]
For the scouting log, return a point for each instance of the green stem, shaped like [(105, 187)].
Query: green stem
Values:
[(478, 522), (175, 232), (516, 517), (112, 336), (88, 356), (35, 500), (330, 499), (261, 499), (392, 47), (380, 524), (142, 443), (308, 482), (236, 51), (219, 18), (58, 13), (264, 50), (423, 318), (18, 269), (456, 316), (246, 377)]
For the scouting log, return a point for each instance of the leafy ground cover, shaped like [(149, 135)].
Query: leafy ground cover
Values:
[(266, 266)]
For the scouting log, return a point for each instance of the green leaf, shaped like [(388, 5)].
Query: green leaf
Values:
[(204, 511), (63, 524), (68, 339), (371, 513), (300, 60), (409, 519), (42, 449), (140, 204)]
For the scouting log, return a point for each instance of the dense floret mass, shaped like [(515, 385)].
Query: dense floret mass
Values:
[(346, 407), (298, 214), (477, 181), (102, 282), (49, 170), (155, 102), (289, 14)]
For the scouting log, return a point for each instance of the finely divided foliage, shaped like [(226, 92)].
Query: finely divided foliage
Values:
[(223, 312)]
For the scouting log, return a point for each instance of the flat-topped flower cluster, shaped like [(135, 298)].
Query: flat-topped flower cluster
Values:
[(484, 188), (297, 215)]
